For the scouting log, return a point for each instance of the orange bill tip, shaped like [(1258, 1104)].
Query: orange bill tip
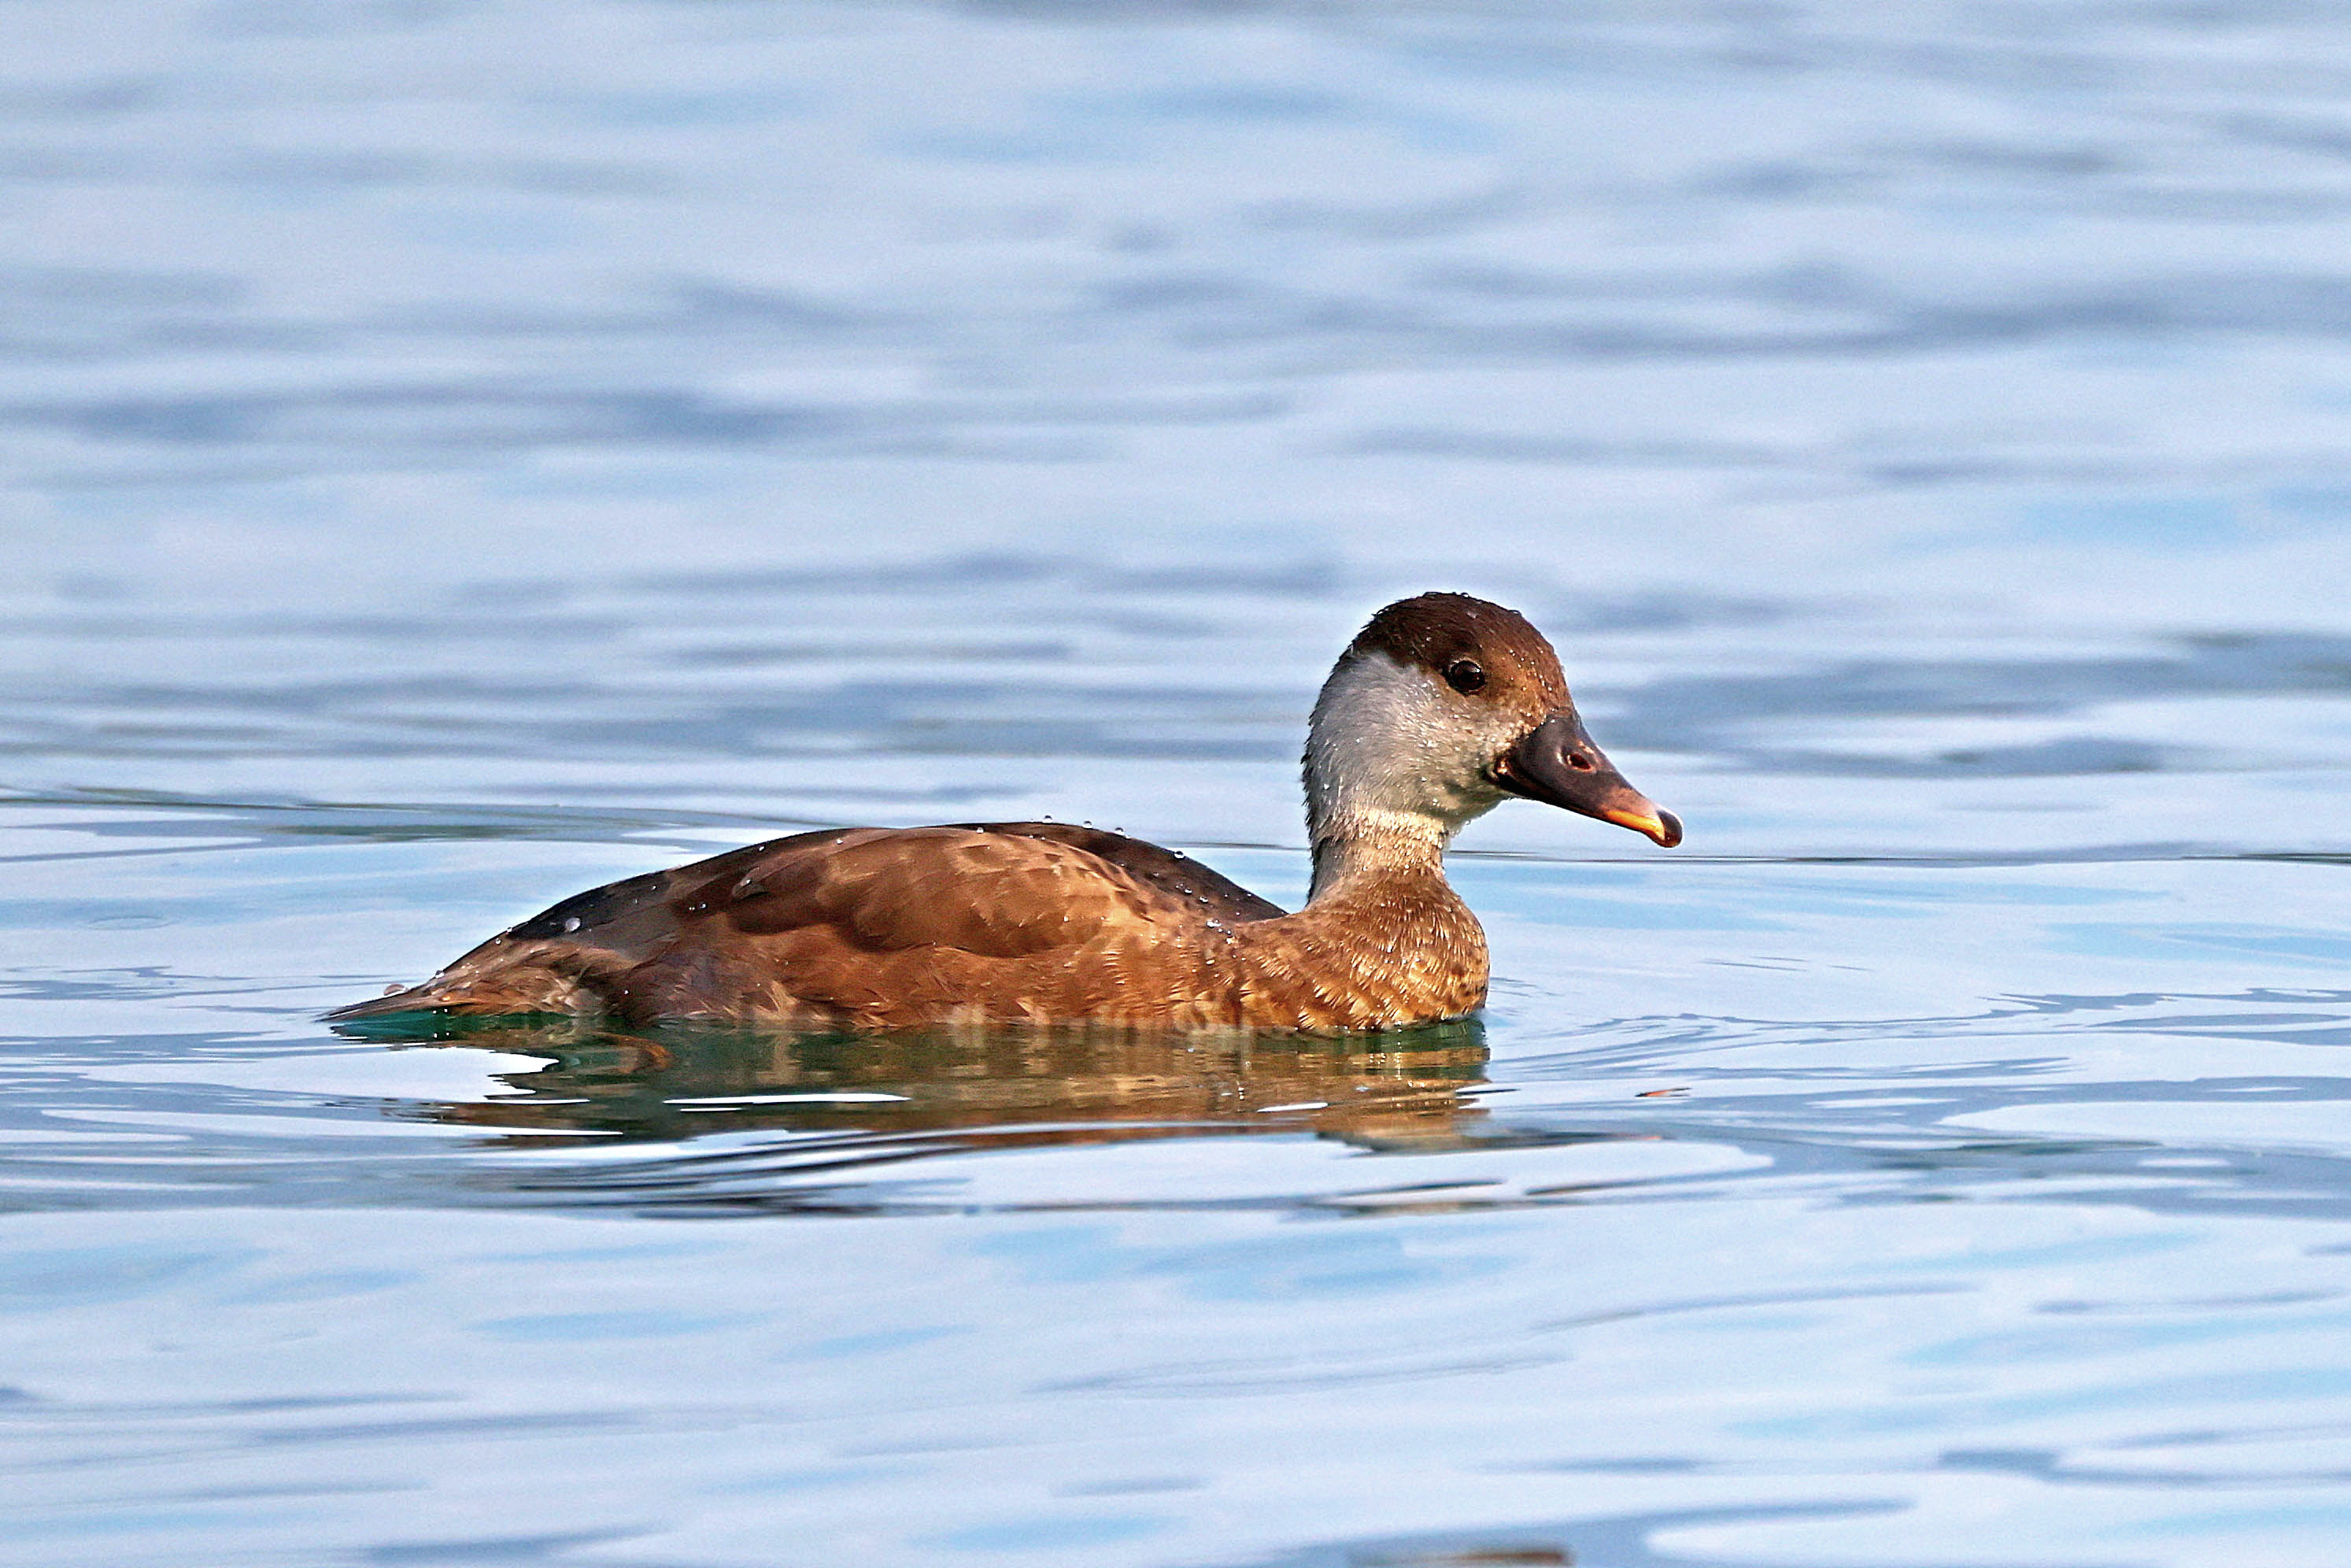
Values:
[(1664, 827)]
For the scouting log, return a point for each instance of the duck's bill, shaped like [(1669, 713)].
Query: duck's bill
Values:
[(1558, 765)]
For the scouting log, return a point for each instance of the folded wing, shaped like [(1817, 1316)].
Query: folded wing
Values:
[(846, 925)]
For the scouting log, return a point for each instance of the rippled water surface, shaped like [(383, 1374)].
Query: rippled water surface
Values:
[(458, 454)]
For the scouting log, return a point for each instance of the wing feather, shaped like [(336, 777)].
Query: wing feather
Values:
[(850, 924)]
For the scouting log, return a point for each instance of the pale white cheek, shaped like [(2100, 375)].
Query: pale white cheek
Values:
[(1386, 739)]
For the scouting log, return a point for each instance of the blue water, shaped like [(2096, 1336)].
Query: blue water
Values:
[(453, 454)]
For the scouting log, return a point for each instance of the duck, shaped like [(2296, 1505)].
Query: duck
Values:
[(1442, 708)]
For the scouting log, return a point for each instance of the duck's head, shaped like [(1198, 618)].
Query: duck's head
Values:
[(1443, 707)]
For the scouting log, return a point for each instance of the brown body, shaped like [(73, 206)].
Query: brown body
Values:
[(1001, 922), (1041, 922)]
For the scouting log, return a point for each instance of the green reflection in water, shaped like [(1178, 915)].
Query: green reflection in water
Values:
[(1404, 1088)]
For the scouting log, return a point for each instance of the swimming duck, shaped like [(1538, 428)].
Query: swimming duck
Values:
[(1441, 708)]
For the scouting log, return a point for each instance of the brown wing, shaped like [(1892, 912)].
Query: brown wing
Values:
[(878, 928), (857, 924), (1215, 896), (996, 895)]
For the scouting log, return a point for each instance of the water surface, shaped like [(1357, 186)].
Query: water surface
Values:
[(457, 454)]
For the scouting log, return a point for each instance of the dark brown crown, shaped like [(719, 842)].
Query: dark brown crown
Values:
[(1434, 630)]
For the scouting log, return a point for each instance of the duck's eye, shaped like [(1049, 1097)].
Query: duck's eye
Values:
[(1465, 676)]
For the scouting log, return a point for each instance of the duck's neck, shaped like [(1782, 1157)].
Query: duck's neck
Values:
[(1355, 851)]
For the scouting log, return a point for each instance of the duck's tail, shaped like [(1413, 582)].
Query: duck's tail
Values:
[(397, 999), (503, 978)]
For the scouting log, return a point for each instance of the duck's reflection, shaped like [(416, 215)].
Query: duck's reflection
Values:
[(1404, 1088)]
